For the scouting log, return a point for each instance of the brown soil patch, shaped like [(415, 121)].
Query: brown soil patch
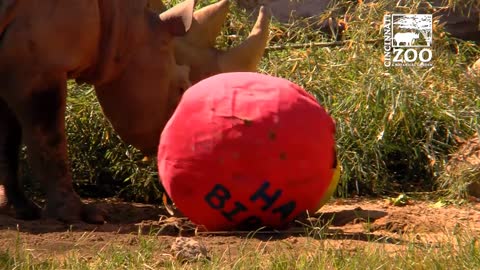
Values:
[(348, 224), (463, 168)]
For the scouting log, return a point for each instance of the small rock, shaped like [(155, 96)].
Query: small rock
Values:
[(186, 249)]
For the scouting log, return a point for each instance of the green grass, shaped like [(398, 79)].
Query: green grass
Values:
[(460, 250)]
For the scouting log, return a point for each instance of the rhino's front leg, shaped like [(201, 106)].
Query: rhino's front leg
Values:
[(11, 193), (42, 116)]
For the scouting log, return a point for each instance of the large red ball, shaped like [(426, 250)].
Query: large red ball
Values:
[(245, 150)]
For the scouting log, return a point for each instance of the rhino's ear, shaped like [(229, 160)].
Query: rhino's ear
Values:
[(178, 19), (207, 24), (156, 5)]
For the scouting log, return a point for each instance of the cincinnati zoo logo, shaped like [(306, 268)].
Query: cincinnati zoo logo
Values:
[(407, 40)]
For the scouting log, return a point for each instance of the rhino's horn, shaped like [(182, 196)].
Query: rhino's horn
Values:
[(207, 24), (246, 56)]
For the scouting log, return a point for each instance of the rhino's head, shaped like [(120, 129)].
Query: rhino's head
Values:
[(176, 49), (140, 97)]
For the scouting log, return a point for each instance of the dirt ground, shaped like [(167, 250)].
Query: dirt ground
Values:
[(348, 224)]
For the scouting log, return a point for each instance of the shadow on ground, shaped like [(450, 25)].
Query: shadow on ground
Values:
[(127, 218)]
